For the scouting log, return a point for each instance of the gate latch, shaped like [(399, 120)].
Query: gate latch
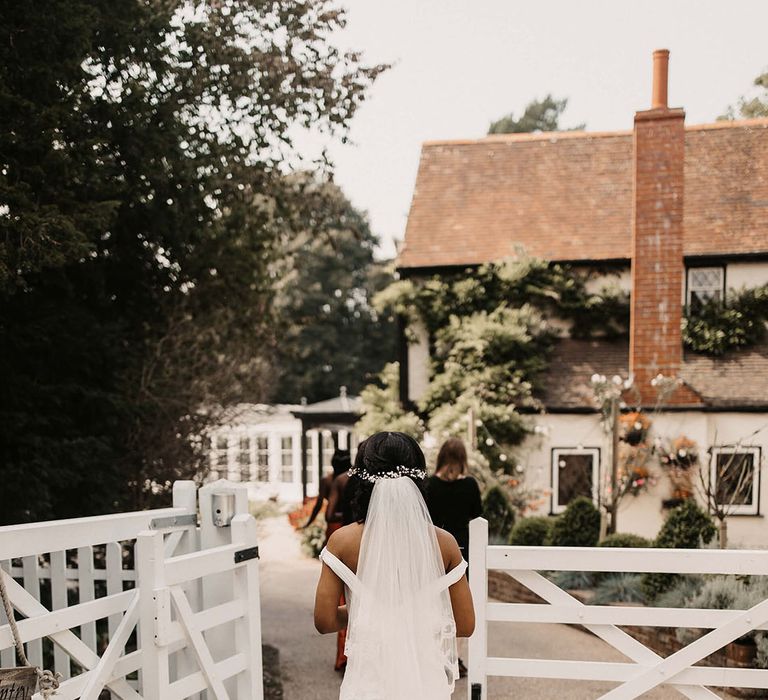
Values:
[(246, 554)]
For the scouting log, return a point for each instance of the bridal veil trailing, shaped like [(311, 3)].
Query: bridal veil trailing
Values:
[(401, 641)]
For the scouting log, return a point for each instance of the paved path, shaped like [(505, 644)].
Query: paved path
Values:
[(288, 585)]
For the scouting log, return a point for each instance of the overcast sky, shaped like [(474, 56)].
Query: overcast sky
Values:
[(459, 64)]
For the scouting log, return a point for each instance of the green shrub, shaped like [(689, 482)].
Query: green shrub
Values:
[(578, 526), (625, 539), (498, 511), (730, 593), (686, 527), (531, 532), (574, 580), (680, 595), (619, 588)]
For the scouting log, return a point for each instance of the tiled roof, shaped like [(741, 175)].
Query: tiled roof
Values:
[(738, 380), (568, 196)]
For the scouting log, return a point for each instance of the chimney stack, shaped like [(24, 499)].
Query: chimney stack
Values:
[(655, 345), (660, 79)]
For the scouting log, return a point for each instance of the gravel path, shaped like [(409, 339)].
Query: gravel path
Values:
[(288, 580)]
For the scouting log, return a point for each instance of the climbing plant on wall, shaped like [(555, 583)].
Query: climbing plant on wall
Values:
[(716, 328), (492, 329)]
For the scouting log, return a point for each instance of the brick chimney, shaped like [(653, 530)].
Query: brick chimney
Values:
[(657, 243)]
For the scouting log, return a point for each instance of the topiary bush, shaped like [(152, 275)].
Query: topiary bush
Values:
[(686, 527), (625, 539), (497, 510), (531, 532), (578, 526)]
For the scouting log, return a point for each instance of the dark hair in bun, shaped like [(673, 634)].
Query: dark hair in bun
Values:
[(378, 454)]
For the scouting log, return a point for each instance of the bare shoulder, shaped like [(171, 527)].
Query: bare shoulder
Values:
[(345, 539), (449, 548)]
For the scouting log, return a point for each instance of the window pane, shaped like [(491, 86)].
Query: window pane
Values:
[(286, 459), (574, 477), (262, 458), (328, 449), (735, 478), (221, 451), (704, 284), (244, 458)]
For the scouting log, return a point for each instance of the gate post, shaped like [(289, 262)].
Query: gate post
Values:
[(150, 574), (477, 681), (250, 683), (183, 662), (219, 588)]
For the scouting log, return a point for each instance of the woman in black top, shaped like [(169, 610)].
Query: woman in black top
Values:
[(453, 497)]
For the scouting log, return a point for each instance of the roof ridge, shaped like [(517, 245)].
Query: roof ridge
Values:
[(536, 136), (729, 124), (558, 135)]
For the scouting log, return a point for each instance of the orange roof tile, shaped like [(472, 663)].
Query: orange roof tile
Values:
[(568, 196)]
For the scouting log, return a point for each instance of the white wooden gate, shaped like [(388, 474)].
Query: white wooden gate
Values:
[(138, 589), (647, 670)]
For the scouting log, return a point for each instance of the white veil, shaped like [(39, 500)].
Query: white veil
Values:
[(401, 627)]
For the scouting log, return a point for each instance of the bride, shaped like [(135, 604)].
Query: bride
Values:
[(403, 578)]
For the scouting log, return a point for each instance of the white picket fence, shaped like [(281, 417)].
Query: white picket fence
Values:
[(648, 670), (144, 604)]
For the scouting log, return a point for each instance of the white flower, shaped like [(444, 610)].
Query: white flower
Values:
[(616, 379), (489, 441)]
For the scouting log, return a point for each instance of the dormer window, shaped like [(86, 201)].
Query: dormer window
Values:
[(705, 284)]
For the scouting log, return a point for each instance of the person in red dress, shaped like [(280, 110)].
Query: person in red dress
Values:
[(336, 515)]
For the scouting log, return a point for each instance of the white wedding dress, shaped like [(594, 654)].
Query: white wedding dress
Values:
[(401, 639)]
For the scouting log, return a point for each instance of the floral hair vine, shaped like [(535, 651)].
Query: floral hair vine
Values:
[(399, 471)]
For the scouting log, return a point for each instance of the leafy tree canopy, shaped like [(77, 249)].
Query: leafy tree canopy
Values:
[(331, 335), (539, 115), (751, 106), (141, 212), (383, 409)]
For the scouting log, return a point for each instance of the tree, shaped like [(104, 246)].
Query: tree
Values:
[(330, 333), (751, 107), (383, 410), (142, 206), (539, 115)]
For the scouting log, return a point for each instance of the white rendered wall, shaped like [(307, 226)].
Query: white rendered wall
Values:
[(418, 362), (746, 274), (644, 515)]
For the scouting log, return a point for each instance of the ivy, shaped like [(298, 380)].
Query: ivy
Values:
[(492, 331), (558, 291), (716, 328)]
